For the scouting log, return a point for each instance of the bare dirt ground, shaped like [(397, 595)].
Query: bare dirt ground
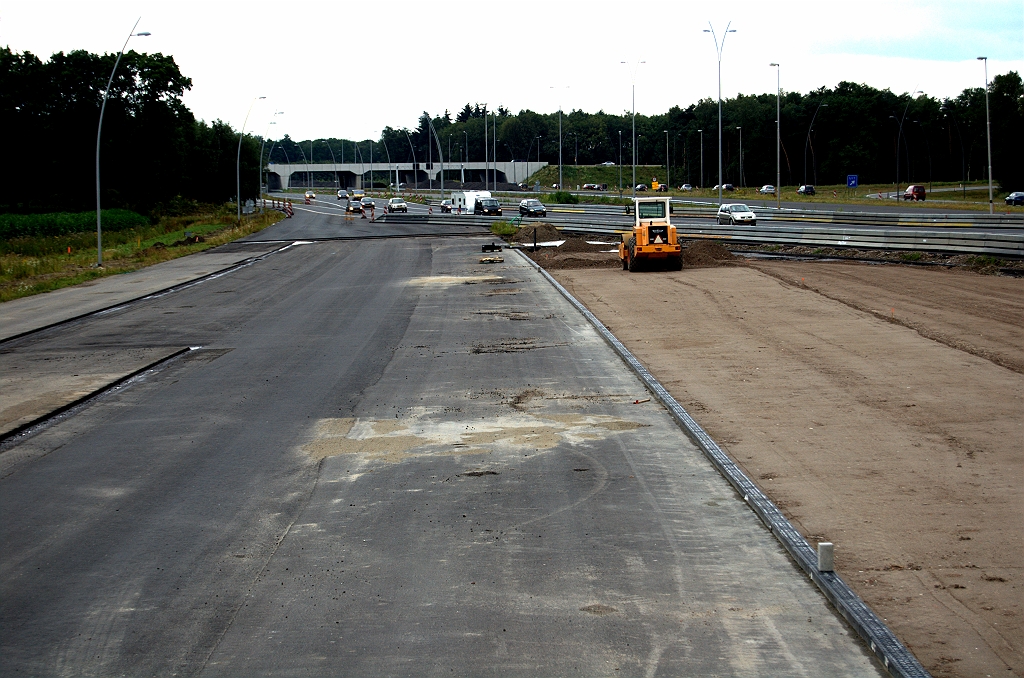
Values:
[(880, 406)]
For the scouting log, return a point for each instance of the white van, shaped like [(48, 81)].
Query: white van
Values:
[(465, 201)]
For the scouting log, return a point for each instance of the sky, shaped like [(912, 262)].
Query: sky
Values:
[(349, 69)]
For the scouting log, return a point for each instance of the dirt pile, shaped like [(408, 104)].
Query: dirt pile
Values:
[(552, 259), (545, 233), (707, 254)]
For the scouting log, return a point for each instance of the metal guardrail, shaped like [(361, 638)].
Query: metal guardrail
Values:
[(1003, 244), (682, 208)]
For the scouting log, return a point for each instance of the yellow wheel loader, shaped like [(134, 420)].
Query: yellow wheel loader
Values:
[(653, 243)]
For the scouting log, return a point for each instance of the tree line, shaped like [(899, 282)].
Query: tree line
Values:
[(154, 154), (826, 135)]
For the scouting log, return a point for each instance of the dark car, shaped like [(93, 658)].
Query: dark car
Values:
[(487, 206), (1015, 198), (806, 190), (446, 206), (532, 208), (353, 206), (914, 192), (640, 187)]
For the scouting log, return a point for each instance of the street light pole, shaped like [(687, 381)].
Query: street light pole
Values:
[(988, 136), (633, 79), (718, 51), (741, 155), (238, 160), (778, 135), (620, 163), (668, 172), (99, 132), (701, 157)]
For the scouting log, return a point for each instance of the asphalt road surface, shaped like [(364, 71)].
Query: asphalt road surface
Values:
[(384, 458)]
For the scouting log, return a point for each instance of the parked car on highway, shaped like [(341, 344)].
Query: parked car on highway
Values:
[(487, 206), (353, 206), (736, 213), (532, 207), (662, 188), (608, 163), (914, 192), (725, 187), (767, 189), (397, 205), (686, 187), (595, 187), (806, 189), (446, 206), (310, 195), (1015, 198), (641, 187)]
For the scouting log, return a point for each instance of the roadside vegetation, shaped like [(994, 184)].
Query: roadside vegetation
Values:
[(31, 264)]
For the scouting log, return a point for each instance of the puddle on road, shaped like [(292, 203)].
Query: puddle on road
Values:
[(394, 440)]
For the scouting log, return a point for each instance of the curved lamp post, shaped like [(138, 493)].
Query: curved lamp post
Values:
[(633, 79), (718, 50), (437, 139), (99, 132), (808, 141), (414, 170), (263, 141), (899, 135), (333, 160), (238, 160)]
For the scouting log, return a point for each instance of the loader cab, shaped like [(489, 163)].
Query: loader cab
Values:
[(652, 220)]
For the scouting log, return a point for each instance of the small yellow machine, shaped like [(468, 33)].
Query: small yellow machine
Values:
[(653, 243)]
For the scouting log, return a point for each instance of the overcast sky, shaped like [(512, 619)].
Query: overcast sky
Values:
[(348, 69)]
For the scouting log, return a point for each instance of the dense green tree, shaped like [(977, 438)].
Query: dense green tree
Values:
[(152, 147)]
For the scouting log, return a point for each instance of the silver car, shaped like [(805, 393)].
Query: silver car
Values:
[(736, 213)]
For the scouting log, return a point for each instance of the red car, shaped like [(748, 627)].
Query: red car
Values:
[(914, 193)]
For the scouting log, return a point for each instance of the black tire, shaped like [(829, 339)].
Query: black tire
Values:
[(634, 265), (625, 263), (675, 263)]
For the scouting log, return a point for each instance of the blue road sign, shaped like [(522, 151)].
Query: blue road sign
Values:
[(851, 181)]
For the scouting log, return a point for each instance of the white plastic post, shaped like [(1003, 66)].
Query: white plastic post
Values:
[(825, 556)]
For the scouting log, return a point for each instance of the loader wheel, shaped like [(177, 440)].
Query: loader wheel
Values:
[(625, 263), (675, 263)]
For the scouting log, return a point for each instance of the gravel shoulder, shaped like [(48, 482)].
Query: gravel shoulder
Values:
[(881, 407)]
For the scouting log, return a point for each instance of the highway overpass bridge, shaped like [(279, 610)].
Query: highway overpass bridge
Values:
[(357, 175)]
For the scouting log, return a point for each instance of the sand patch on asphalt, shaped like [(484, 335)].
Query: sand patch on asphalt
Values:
[(448, 280), (394, 440)]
